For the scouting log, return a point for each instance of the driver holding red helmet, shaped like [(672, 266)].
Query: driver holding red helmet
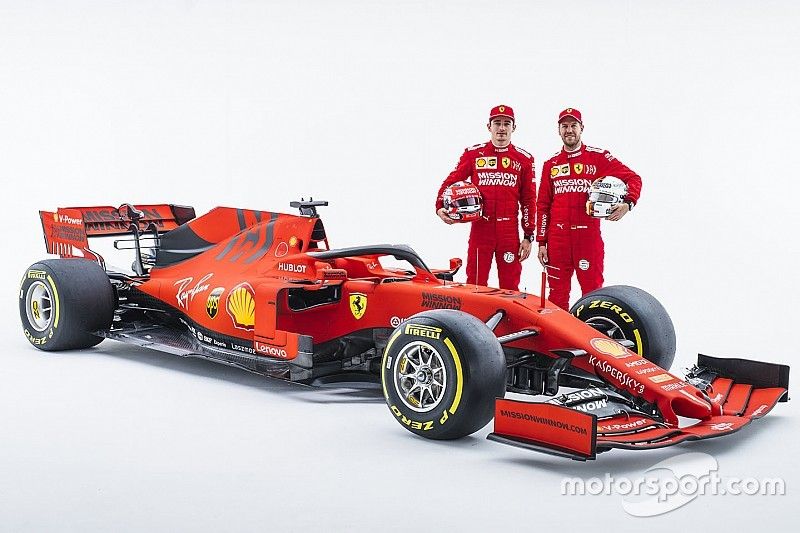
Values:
[(505, 177)]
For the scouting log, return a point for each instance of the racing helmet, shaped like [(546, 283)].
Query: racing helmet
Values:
[(462, 201), (604, 194)]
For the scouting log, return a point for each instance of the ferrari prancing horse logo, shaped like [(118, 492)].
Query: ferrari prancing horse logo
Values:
[(578, 168), (506, 162), (358, 304)]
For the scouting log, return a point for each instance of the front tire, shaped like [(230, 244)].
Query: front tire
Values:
[(441, 373), (62, 302), (625, 312)]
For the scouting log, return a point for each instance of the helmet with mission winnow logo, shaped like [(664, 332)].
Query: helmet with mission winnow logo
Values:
[(604, 194), (462, 201)]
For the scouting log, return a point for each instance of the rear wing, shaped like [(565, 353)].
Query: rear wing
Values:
[(67, 231)]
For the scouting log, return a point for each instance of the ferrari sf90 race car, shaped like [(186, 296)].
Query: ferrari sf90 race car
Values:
[(264, 291)]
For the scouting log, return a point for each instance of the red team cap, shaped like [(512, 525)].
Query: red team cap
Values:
[(570, 112), (501, 111)]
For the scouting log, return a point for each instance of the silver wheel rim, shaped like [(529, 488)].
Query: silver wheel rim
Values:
[(39, 306), (607, 326), (420, 376)]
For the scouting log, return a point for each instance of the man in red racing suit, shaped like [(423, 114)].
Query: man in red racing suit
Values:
[(506, 178), (569, 239)]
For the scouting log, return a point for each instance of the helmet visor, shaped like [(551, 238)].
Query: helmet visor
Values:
[(465, 202), (603, 197)]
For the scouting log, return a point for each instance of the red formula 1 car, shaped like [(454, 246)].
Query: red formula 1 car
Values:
[(264, 292)]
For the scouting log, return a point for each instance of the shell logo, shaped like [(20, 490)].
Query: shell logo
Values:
[(241, 306), (609, 347), (293, 241)]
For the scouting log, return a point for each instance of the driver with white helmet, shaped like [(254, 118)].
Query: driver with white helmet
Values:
[(569, 238)]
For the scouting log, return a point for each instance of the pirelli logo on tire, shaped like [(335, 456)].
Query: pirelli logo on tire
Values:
[(37, 274), (421, 330)]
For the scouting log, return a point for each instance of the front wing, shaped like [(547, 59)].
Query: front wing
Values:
[(580, 426)]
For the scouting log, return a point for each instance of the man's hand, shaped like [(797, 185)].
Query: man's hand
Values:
[(618, 211), (524, 249), (543, 259), (442, 212)]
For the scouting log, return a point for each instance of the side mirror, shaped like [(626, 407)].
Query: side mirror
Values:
[(327, 276), (332, 274), (447, 275)]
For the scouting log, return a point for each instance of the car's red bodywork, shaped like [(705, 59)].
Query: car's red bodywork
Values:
[(268, 284)]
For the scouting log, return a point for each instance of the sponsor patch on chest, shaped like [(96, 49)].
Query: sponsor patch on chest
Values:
[(485, 162), (560, 170), (504, 179), (580, 185)]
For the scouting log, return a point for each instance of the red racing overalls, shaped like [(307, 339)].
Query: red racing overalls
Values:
[(507, 181), (573, 238)]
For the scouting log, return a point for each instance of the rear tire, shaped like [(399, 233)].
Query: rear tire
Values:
[(441, 373), (62, 302), (625, 312)]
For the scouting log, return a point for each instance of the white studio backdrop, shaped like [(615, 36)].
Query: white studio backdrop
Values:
[(368, 105)]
